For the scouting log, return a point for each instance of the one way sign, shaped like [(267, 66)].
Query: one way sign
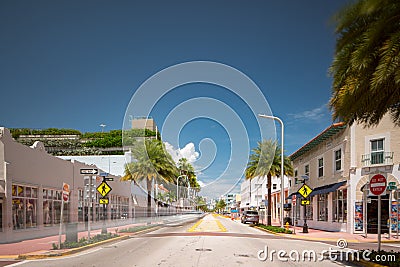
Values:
[(89, 171)]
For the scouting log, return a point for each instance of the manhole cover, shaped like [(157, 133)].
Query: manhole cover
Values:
[(203, 249)]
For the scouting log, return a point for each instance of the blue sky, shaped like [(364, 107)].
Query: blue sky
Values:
[(77, 64)]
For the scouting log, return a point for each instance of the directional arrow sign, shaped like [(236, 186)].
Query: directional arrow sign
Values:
[(305, 191), (104, 189), (89, 171)]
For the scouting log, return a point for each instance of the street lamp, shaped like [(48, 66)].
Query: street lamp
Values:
[(282, 160), (102, 125)]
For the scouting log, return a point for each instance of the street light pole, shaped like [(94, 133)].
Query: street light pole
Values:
[(282, 163)]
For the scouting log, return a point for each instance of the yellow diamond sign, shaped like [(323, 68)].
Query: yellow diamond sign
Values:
[(104, 189), (305, 190)]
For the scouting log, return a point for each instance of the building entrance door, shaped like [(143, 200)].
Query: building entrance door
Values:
[(372, 214)]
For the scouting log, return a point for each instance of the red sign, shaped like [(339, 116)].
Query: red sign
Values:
[(65, 196), (294, 200), (377, 184)]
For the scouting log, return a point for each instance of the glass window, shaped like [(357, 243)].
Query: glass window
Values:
[(323, 207), (274, 186), (24, 206), (338, 160), (320, 167), (307, 170), (309, 209), (339, 206), (377, 150)]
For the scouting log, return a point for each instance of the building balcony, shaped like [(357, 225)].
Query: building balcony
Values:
[(377, 158)]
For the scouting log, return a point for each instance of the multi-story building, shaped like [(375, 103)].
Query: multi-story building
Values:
[(338, 164)]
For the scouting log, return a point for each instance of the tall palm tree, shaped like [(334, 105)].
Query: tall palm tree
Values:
[(366, 65), (266, 161), (152, 163)]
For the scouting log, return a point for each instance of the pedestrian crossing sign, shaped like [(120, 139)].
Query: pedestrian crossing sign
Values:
[(305, 191), (104, 189)]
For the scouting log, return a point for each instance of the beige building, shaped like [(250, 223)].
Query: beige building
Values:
[(144, 123), (31, 193), (339, 163)]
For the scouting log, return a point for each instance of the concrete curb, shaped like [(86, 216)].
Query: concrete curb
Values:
[(55, 253)]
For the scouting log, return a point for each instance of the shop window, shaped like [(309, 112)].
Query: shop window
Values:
[(52, 207), (307, 170), (309, 209), (339, 206), (24, 207), (323, 207)]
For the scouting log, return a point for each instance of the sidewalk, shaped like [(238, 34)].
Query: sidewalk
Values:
[(321, 235), (44, 246)]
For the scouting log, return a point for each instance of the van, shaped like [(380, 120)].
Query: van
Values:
[(250, 216)]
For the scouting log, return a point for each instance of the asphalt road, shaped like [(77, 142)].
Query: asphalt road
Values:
[(213, 241)]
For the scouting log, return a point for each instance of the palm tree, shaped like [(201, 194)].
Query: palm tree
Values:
[(187, 169), (266, 161), (152, 163), (366, 66)]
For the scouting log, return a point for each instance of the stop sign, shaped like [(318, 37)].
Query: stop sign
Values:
[(377, 184), (294, 200)]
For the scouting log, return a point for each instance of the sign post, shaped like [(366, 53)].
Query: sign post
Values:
[(377, 185), (294, 198), (65, 198), (305, 191), (104, 189)]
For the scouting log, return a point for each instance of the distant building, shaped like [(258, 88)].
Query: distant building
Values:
[(254, 195), (144, 123)]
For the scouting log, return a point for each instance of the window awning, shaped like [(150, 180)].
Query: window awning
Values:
[(327, 188)]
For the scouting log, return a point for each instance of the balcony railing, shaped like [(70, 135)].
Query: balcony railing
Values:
[(377, 158)]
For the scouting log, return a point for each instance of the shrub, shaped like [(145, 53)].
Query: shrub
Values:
[(274, 229)]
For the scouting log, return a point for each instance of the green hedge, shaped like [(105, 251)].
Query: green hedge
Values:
[(274, 229)]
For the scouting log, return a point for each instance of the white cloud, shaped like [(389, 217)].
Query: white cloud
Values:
[(314, 114), (188, 152)]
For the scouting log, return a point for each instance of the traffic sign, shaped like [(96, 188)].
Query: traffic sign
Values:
[(104, 189), (305, 202), (104, 174), (294, 198), (65, 192), (109, 179), (377, 184), (89, 171), (305, 191), (392, 183), (103, 200)]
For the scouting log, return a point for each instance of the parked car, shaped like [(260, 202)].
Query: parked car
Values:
[(250, 216)]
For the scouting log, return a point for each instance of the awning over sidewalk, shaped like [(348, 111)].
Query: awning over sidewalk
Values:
[(327, 188)]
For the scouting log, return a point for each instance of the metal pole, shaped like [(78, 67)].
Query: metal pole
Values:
[(90, 202), (390, 214), (282, 162), (397, 214), (379, 222), (365, 203), (61, 221)]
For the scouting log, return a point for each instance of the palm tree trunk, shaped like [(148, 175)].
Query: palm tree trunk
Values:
[(148, 198), (269, 211)]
